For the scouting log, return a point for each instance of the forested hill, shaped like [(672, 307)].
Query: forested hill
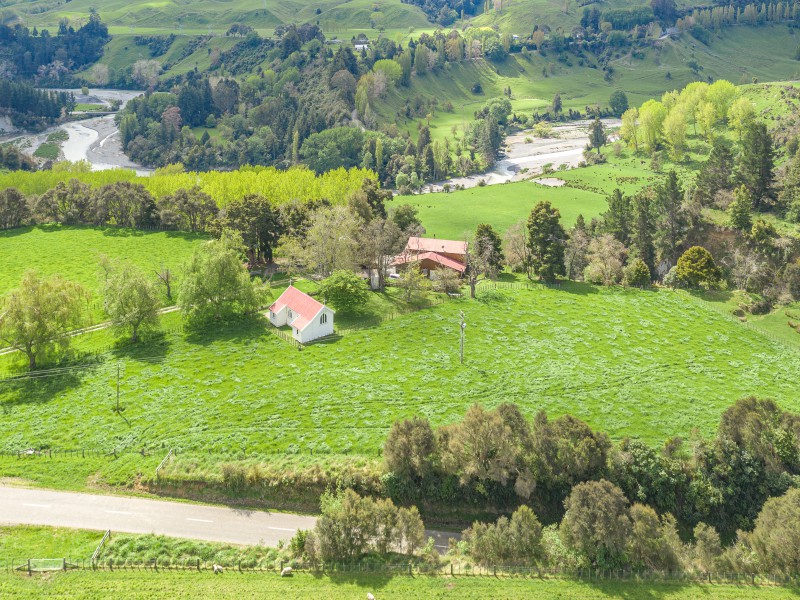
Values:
[(30, 108), (48, 56)]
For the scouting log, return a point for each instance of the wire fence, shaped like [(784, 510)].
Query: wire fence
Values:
[(728, 315), (286, 337), (518, 285), (53, 453), (530, 285), (431, 303), (232, 455), (168, 564)]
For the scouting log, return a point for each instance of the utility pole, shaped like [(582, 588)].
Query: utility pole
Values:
[(463, 327)]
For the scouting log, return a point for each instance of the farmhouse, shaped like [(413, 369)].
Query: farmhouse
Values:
[(433, 254), (308, 318)]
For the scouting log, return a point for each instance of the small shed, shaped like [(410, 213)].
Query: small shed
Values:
[(308, 318)]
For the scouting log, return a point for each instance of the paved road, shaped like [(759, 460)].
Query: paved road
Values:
[(22, 506)]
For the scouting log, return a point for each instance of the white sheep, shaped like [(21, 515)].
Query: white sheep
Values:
[(217, 570), (370, 596), (287, 572)]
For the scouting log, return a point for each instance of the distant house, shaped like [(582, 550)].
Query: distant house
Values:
[(308, 318), (433, 254), (361, 47)]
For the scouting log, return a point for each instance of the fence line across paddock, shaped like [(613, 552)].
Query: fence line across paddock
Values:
[(410, 569)]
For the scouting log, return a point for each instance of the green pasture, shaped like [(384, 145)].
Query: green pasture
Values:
[(79, 107), (646, 364), (23, 542), (144, 585), (74, 252), (452, 215), (738, 54), (204, 16)]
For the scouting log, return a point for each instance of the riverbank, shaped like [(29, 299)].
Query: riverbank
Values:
[(94, 140), (525, 155)]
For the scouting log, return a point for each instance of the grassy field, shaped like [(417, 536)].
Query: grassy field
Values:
[(582, 84), (23, 542), (146, 585), (452, 215), (633, 363), (586, 190), (121, 52), (204, 16), (74, 252)]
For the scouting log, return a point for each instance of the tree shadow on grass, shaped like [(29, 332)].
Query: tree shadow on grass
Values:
[(578, 288), (39, 387), (712, 295), (365, 580), (8, 233), (123, 232), (154, 347), (642, 590), (231, 330)]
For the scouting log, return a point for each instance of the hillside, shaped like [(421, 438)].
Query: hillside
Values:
[(738, 54), (205, 16), (521, 16), (74, 252), (646, 364)]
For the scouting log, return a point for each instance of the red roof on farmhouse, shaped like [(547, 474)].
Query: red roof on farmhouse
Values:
[(300, 304), (435, 257), (420, 244)]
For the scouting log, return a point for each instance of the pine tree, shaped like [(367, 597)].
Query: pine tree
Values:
[(642, 234), (756, 164), (490, 245), (546, 240), (597, 135), (296, 147), (557, 104), (617, 219), (715, 175), (739, 210), (672, 218)]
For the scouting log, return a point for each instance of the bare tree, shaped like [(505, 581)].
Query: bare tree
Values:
[(164, 275), (516, 248), (745, 267), (606, 257), (480, 264), (576, 254), (146, 72), (380, 241)]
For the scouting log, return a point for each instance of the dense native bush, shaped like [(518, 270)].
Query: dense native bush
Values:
[(30, 108), (352, 525), (497, 458), (30, 54)]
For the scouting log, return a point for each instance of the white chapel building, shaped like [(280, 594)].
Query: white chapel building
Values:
[(308, 318)]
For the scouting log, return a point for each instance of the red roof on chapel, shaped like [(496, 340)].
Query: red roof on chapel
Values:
[(300, 304)]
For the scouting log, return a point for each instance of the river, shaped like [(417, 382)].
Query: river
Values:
[(526, 155), (95, 140)]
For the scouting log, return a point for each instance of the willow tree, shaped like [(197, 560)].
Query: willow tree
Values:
[(37, 317), (216, 283)]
